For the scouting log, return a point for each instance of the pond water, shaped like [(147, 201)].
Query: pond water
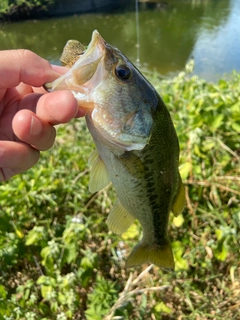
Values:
[(169, 35)]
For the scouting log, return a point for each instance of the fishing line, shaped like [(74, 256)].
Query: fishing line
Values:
[(137, 33)]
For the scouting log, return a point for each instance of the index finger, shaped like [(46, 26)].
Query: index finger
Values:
[(24, 66)]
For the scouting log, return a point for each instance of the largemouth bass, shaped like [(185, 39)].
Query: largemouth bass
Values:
[(137, 146)]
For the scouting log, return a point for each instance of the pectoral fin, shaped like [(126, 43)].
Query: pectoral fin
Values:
[(160, 255), (179, 200), (119, 220), (99, 177)]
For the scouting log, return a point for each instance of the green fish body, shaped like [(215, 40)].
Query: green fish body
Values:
[(137, 147)]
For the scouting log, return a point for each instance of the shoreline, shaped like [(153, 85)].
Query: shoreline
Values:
[(60, 8)]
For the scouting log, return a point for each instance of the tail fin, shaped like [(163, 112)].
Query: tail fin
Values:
[(160, 255)]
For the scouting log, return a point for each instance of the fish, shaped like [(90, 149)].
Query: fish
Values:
[(137, 148)]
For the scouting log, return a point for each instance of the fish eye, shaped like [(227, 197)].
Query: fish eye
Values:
[(123, 72)]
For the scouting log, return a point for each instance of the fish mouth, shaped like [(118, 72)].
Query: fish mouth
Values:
[(86, 74)]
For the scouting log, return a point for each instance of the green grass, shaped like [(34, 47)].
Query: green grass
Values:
[(17, 7), (59, 261)]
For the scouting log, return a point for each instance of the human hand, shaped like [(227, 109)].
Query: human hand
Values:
[(27, 112)]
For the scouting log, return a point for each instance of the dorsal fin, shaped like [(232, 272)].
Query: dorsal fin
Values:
[(99, 177), (179, 200), (119, 219)]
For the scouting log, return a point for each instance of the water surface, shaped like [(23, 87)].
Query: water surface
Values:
[(170, 35)]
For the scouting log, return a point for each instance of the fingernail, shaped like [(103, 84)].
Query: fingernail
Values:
[(36, 127)]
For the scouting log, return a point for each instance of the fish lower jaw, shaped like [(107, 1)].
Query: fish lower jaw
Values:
[(82, 102)]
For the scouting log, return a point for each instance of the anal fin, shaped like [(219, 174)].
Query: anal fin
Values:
[(160, 255), (99, 177), (119, 219)]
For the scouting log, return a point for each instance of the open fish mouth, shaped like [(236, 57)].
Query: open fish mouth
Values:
[(86, 74), (106, 84)]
